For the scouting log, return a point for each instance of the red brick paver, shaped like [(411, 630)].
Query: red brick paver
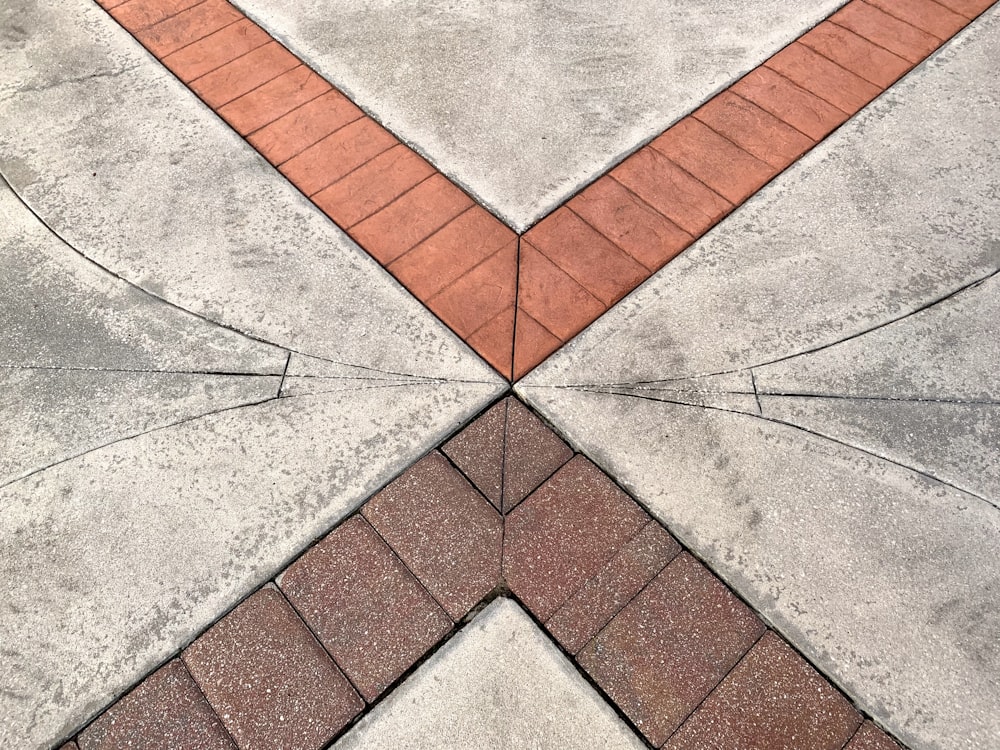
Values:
[(870, 737)]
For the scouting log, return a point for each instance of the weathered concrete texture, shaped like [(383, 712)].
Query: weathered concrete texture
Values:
[(885, 577), (500, 683), (123, 162), (524, 102)]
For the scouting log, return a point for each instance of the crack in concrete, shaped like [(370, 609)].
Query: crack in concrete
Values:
[(48, 86)]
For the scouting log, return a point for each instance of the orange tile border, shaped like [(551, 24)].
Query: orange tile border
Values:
[(602, 243)]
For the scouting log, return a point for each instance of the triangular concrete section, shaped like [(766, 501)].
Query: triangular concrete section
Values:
[(500, 683)]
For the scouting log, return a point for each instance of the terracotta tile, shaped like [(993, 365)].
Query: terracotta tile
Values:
[(268, 678), (722, 165), (373, 186), (243, 74), (873, 63), (646, 235), (140, 14), (276, 98), (165, 712), (532, 344), (926, 15), (772, 700), (480, 295), (564, 533), (673, 192), (494, 342), (412, 218), (593, 260), (215, 50), (823, 77), (337, 154), (886, 31), (758, 132), (443, 530), (603, 596), (188, 26), (368, 610), (478, 451), (304, 126), (452, 251), (802, 110), (532, 453), (870, 737), (552, 297), (968, 8), (670, 646)]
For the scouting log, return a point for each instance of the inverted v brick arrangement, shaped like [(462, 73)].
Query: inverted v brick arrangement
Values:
[(516, 300), (503, 508)]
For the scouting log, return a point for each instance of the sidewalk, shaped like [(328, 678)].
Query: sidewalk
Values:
[(267, 272)]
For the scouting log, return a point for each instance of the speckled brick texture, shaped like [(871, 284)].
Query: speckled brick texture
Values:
[(773, 700), (478, 450), (367, 609), (870, 737), (269, 679), (443, 530), (166, 711)]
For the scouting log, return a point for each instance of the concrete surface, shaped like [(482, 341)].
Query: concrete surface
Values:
[(850, 492), (500, 684), (523, 103), (150, 474)]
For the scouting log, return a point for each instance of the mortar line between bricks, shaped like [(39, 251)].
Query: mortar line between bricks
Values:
[(165, 18), (204, 697), (888, 11), (195, 41)]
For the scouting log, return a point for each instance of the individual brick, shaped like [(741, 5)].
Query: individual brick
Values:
[(758, 132), (373, 186), (721, 164), (478, 451), (533, 343), (137, 15), (274, 99), (443, 530), (886, 31), (494, 342), (648, 236), (870, 737), (338, 154), (532, 453), (659, 182), (166, 711), (215, 50), (670, 647), (823, 77), (243, 74), (363, 604), (188, 26), (968, 8), (772, 700), (552, 297), (855, 53), (268, 678), (802, 110), (926, 15), (410, 219), (593, 261), (304, 126), (480, 295), (592, 607), (564, 533), (451, 252)]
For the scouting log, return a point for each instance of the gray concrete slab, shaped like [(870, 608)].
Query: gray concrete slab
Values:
[(855, 506), (155, 474), (500, 684), (523, 103)]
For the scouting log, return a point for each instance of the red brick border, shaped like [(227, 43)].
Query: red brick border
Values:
[(516, 303), (681, 656)]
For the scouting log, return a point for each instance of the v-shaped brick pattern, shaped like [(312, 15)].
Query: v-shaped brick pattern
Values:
[(682, 657), (516, 300)]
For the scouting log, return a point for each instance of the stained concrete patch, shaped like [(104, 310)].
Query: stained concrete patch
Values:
[(500, 683), (856, 507), (523, 103)]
